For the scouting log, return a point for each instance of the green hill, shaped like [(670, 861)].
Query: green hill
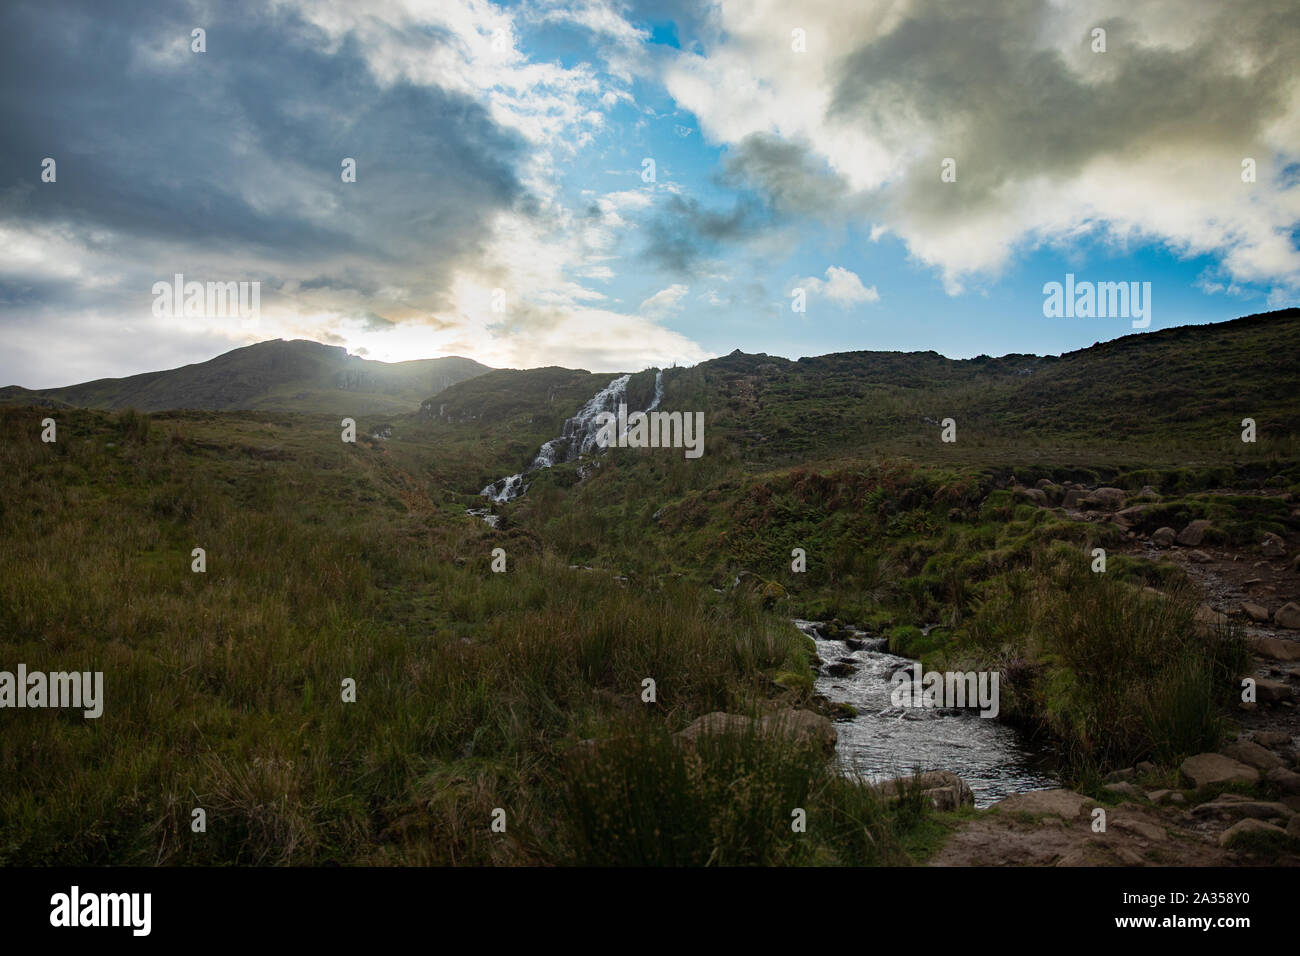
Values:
[(276, 375)]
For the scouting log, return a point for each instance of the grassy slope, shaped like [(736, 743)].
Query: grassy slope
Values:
[(474, 688), (275, 375)]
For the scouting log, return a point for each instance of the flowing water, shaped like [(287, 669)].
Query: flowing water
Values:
[(577, 436), (886, 741)]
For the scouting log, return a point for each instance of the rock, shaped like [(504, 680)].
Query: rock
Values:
[(945, 790), (1205, 770), (1271, 738), (1146, 768), (1118, 776), (1288, 781), (1139, 827), (853, 644), (803, 725), (1162, 797), (1034, 495), (1269, 691), (1255, 612), (1126, 789), (1105, 499), (1293, 827), (715, 723), (1207, 618), (1288, 615), (1131, 516), (1253, 755), (1272, 546), (1248, 826), (1061, 803), (1256, 809), (1200, 557), (1164, 537), (840, 669), (1276, 648), (1149, 492), (1194, 533), (1072, 498)]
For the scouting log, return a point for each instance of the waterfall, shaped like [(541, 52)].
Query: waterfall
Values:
[(577, 437)]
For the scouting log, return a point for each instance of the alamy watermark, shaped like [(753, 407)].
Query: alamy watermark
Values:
[(84, 689), (208, 299), (652, 430), (1098, 300), (959, 689)]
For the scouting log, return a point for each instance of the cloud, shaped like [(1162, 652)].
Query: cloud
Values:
[(841, 286), (664, 301), (1052, 141)]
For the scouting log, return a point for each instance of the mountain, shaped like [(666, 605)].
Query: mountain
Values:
[(279, 375)]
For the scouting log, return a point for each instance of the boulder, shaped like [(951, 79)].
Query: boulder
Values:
[(1259, 809), (1164, 537), (1288, 615), (803, 725), (1207, 618), (1288, 781), (1272, 546), (1072, 498), (1253, 755), (1060, 803), (715, 723), (1276, 648), (1149, 492), (1249, 826), (1205, 770), (1034, 495), (1256, 612), (1271, 738), (1194, 533), (1105, 499), (1269, 691), (944, 790), (1293, 827)]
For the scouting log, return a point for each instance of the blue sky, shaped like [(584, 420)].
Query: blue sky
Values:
[(500, 209)]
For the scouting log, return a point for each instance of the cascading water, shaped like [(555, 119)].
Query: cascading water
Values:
[(578, 437)]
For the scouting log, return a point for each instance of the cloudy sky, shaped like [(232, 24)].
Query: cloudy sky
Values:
[(614, 185)]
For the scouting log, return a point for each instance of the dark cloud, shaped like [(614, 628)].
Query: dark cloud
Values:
[(236, 152), (791, 179), (683, 231)]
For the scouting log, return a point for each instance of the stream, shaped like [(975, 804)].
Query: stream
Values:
[(885, 741)]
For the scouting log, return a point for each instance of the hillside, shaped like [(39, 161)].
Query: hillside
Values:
[(276, 375)]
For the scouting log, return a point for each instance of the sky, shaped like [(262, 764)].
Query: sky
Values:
[(620, 185)]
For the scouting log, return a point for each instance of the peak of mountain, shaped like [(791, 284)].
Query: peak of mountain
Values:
[(277, 375)]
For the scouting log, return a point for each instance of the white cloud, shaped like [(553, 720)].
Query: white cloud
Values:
[(664, 301), (841, 286)]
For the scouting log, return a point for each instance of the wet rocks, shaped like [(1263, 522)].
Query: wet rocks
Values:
[(944, 790), (1256, 612)]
